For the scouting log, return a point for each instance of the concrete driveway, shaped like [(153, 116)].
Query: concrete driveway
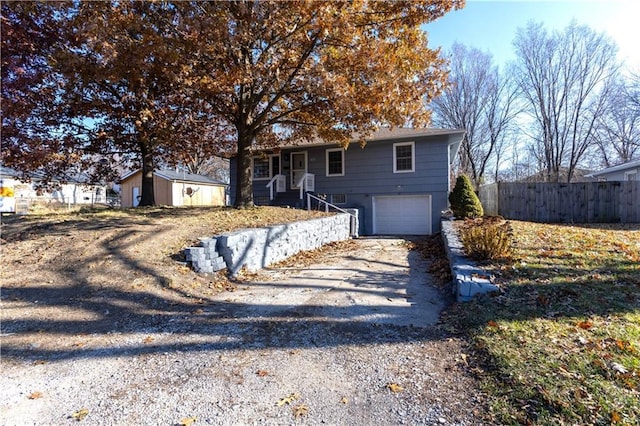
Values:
[(381, 282)]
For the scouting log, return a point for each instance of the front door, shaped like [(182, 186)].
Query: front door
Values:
[(298, 167)]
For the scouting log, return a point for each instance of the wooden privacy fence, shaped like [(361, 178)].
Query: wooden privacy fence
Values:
[(588, 202)]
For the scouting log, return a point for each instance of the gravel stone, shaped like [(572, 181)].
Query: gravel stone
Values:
[(330, 337)]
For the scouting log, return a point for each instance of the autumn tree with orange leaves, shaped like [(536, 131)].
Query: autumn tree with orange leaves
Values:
[(279, 71), (125, 78), (30, 89), (151, 81), (90, 85)]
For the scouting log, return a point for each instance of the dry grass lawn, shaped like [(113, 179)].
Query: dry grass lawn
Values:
[(561, 344)]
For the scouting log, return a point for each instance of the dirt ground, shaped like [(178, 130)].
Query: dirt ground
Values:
[(74, 287), (74, 268)]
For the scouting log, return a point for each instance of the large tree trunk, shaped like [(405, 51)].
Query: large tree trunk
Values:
[(244, 184), (147, 198)]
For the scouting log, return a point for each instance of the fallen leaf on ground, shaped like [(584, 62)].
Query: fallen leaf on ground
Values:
[(80, 414), (394, 387), (344, 400), (585, 325), (580, 393), (148, 339), (564, 372), (463, 359), (35, 395), (624, 345), (492, 324), (618, 368), (188, 421), (262, 373), (615, 417), (300, 410), (288, 399)]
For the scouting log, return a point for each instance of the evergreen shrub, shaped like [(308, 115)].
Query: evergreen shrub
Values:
[(464, 201)]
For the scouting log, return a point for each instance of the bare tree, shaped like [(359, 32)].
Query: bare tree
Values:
[(520, 164), (482, 101), (618, 136), (206, 165), (564, 80), (634, 90)]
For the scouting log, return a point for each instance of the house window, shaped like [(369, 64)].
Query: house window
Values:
[(629, 176), (266, 167), (260, 168), (404, 160), (339, 199), (335, 162)]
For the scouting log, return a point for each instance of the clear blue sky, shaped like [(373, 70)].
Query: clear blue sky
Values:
[(490, 25)]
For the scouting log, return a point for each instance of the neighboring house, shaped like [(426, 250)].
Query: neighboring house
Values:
[(173, 188), (63, 190), (622, 172), (399, 182)]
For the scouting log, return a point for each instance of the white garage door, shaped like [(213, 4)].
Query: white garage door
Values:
[(402, 215)]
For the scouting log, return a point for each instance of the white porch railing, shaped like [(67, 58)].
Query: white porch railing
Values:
[(306, 183), (328, 206), (280, 183)]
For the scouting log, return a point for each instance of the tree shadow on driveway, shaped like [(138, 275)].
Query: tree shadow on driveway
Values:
[(80, 314)]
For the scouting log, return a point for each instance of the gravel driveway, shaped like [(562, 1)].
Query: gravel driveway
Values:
[(350, 341)]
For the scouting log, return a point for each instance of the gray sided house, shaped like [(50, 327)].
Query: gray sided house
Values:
[(628, 171), (399, 182)]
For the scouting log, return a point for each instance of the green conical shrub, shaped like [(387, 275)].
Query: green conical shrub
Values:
[(464, 201)]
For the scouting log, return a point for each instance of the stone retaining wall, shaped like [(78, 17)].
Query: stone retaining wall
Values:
[(259, 247), (468, 279)]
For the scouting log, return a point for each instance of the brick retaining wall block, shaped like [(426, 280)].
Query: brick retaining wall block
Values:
[(259, 247), (468, 278)]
